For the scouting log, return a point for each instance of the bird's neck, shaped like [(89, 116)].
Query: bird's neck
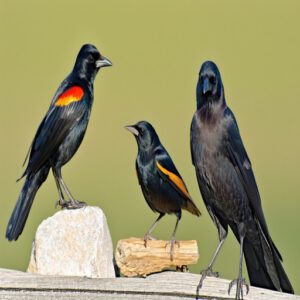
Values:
[(84, 74), (82, 80), (210, 112), (146, 153)]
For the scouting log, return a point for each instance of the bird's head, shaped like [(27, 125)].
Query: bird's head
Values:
[(144, 133), (209, 87), (89, 61)]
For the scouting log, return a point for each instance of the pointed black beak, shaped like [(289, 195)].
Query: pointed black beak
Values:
[(132, 129), (207, 87), (103, 62)]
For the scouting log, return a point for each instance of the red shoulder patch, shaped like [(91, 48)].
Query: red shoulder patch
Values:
[(73, 94)]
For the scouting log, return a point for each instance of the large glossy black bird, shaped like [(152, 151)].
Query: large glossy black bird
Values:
[(228, 186), (59, 136), (162, 186)]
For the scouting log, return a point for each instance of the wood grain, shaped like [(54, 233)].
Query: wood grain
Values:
[(166, 285), (134, 259)]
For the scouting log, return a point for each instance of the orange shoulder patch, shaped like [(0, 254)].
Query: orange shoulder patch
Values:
[(73, 94), (175, 179)]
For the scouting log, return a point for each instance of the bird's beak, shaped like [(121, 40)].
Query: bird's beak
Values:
[(103, 62), (206, 86), (132, 129)]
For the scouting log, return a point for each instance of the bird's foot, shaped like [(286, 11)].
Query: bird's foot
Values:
[(148, 237), (172, 243), (207, 272), (62, 203), (239, 282), (75, 204)]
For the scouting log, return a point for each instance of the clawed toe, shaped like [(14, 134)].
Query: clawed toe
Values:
[(148, 237), (207, 272), (239, 282), (73, 204), (62, 203)]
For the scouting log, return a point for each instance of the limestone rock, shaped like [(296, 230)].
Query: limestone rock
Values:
[(73, 243)]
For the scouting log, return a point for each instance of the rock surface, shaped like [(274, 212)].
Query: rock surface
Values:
[(73, 243)]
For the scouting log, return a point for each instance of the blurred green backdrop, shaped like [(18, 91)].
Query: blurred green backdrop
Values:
[(157, 48)]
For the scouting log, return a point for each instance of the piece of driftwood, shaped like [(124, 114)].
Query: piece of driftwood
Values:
[(15, 285), (134, 259)]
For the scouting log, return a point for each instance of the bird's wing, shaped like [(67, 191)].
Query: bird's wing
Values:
[(192, 140), (63, 115), (238, 156), (168, 172)]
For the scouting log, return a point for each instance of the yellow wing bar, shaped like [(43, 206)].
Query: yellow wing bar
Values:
[(175, 179)]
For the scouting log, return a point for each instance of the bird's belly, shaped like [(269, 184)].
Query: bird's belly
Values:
[(162, 197), (227, 193), (71, 143)]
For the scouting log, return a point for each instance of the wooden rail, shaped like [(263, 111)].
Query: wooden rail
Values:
[(166, 285)]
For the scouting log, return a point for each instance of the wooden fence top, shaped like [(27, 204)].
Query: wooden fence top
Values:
[(166, 285)]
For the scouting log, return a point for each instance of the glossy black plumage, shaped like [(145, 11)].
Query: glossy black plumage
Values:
[(228, 185), (161, 183), (59, 136)]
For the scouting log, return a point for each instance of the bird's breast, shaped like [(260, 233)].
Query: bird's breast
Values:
[(214, 168), (209, 137)]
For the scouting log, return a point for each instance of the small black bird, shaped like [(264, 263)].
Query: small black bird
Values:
[(161, 183), (228, 186), (59, 136)]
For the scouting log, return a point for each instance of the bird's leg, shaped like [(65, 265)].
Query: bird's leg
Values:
[(72, 204), (240, 281), (61, 201), (148, 236), (173, 239), (209, 271)]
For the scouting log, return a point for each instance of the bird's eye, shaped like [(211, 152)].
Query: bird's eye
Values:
[(212, 79), (142, 131), (90, 59)]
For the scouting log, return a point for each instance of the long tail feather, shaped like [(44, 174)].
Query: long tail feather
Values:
[(21, 211)]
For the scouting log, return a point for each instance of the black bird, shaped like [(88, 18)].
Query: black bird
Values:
[(162, 186), (228, 186), (59, 136)]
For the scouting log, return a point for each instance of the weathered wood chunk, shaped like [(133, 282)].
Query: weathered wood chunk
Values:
[(134, 259)]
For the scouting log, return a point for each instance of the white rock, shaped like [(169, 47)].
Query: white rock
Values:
[(73, 243)]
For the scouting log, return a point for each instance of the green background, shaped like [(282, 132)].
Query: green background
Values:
[(157, 48)]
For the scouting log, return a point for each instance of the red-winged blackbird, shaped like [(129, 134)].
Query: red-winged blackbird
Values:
[(59, 136), (161, 183), (228, 186)]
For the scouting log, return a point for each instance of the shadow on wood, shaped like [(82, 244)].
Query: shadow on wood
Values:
[(134, 259)]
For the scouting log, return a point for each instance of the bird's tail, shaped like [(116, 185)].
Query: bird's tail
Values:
[(192, 208), (264, 266), (21, 211)]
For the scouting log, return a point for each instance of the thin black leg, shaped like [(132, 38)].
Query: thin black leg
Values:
[(209, 270), (173, 239), (61, 201), (148, 236), (240, 281), (72, 204)]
